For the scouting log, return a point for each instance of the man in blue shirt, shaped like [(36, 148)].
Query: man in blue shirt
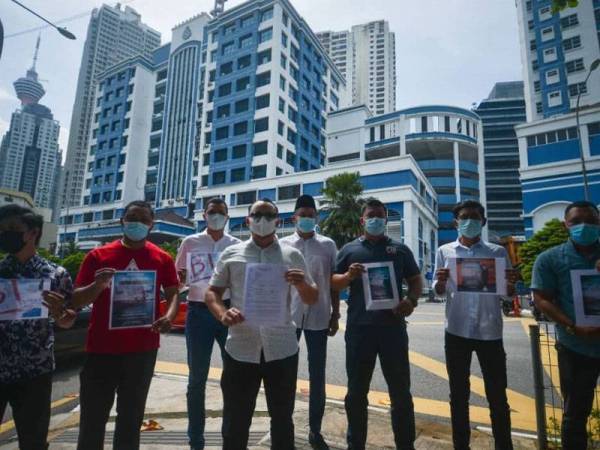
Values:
[(377, 333), (474, 324), (578, 347), (27, 346)]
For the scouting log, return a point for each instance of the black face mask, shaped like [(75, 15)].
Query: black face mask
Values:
[(11, 241)]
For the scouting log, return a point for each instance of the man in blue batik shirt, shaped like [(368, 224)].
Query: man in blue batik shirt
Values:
[(27, 346), (578, 347)]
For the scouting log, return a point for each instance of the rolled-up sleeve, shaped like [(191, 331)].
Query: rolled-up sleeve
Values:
[(439, 264)]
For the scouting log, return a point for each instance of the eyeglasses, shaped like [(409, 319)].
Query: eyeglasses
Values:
[(268, 216)]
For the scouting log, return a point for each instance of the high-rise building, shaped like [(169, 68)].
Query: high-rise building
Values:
[(113, 35), (500, 112), (559, 146), (557, 51), (29, 154), (366, 56)]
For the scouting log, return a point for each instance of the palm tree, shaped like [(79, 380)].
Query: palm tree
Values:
[(342, 203)]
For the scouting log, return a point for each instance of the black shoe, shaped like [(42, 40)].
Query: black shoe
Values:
[(317, 442)]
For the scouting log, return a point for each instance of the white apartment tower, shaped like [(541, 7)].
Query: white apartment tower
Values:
[(366, 56), (114, 34)]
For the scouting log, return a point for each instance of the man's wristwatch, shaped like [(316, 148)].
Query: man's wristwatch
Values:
[(414, 300)]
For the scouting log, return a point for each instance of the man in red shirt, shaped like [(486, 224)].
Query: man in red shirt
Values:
[(120, 358)]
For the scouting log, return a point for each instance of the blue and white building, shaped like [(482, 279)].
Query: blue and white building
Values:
[(557, 53), (445, 142)]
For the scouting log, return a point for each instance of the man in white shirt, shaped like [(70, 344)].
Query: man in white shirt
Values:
[(202, 329), (321, 319), (474, 324), (258, 353)]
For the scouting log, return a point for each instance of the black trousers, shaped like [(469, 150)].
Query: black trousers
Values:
[(578, 379), (128, 376), (492, 359), (30, 403), (240, 383)]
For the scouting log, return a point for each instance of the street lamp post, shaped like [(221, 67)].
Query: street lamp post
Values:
[(66, 33), (586, 190)]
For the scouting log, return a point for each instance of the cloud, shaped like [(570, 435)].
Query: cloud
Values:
[(3, 127), (6, 96)]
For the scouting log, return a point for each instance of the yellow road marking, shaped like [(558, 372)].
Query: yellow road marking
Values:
[(9, 425)]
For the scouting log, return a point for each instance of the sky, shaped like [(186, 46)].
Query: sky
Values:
[(448, 51)]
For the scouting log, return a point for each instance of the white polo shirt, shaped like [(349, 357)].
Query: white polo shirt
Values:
[(245, 342), (319, 253), (201, 243)]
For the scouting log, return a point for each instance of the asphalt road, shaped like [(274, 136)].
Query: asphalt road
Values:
[(426, 332)]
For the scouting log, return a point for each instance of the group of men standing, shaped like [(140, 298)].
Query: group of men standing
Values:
[(121, 362)]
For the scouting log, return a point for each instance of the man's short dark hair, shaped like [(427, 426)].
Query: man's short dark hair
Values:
[(468, 204), (216, 201), (372, 202), (26, 216), (138, 204), (266, 200), (581, 204)]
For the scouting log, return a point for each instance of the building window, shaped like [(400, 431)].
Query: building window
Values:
[(264, 57), (572, 43), (240, 128), (267, 14), (550, 55), (280, 151), (263, 79), (242, 84), (569, 21), (424, 124), (238, 174), (538, 107), (259, 172), (246, 198), (284, 39), (283, 61), (226, 68), (552, 76), (290, 158), (223, 111), (288, 192), (228, 48), (238, 151), (545, 13), (260, 148), (219, 177), (547, 34), (261, 125), (224, 89), (246, 41), (576, 89), (220, 155), (244, 61), (536, 86), (242, 106), (372, 134), (265, 35), (281, 105), (575, 66), (280, 128), (554, 99), (222, 133), (446, 123)]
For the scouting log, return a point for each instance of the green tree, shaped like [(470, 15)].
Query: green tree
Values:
[(342, 203), (44, 253), (551, 235), (171, 247), (72, 263), (559, 5)]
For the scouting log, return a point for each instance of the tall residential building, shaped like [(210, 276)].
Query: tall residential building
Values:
[(500, 112), (557, 51), (366, 56), (29, 154), (113, 35)]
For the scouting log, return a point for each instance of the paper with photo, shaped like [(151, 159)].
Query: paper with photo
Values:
[(21, 299), (133, 299), (266, 294), (380, 286), (200, 267), (483, 276), (586, 297)]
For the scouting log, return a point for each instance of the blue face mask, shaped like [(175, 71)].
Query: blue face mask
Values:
[(469, 228), (375, 226), (585, 233), (306, 224), (135, 231)]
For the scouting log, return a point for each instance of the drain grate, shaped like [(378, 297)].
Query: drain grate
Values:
[(162, 437)]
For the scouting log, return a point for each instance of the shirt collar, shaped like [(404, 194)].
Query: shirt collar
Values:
[(457, 244), (571, 246), (251, 243), (205, 233), (386, 240)]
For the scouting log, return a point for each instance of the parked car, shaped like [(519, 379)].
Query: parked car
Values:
[(71, 341), (179, 322)]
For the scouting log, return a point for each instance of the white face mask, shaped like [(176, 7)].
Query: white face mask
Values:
[(263, 227), (216, 221)]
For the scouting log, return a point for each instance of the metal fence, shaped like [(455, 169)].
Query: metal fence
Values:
[(549, 402)]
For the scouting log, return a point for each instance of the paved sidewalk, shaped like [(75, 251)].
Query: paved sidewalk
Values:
[(167, 405)]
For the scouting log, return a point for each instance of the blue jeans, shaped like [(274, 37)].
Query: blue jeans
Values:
[(363, 345), (201, 331), (316, 344)]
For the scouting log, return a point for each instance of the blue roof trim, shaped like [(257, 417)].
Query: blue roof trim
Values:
[(441, 135), (421, 110)]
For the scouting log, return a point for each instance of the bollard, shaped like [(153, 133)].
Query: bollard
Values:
[(538, 384)]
